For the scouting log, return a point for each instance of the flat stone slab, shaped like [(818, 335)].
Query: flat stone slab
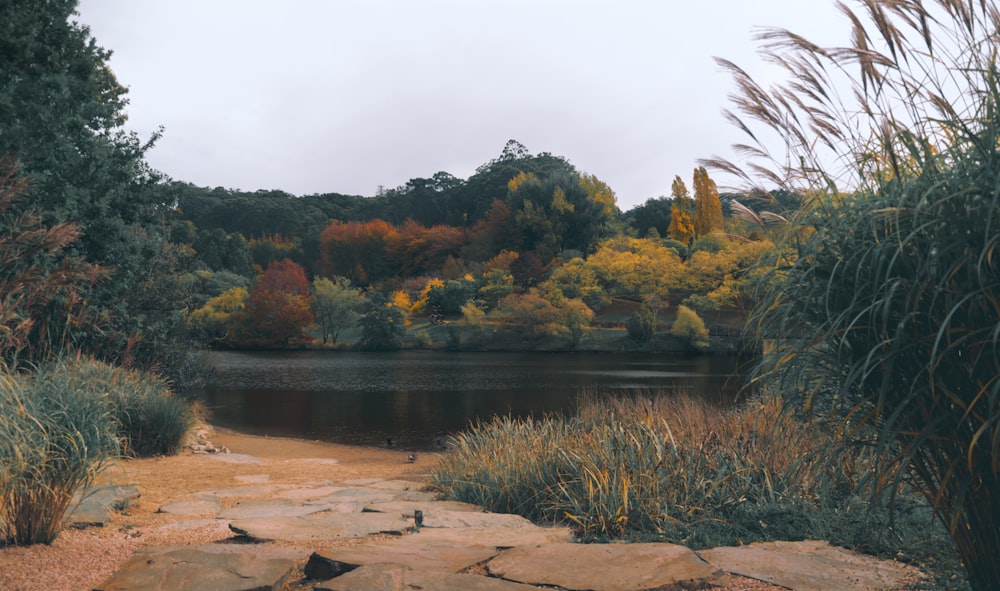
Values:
[(320, 526), (308, 493), (202, 506), (394, 577), (272, 508), (93, 506), (496, 537), (810, 566), (606, 567), (211, 567), (407, 508), (189, 524), (438, 557), (259, 490)]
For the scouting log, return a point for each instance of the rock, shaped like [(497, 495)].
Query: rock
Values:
[(93, 506), (308, 494), (406, 508), (810, 566), (211, 567), (202, 506), (275, 508), (218, 525), (448, 557), (260, 490), (496, 537), (394, 577), (320, 527), (606, 567)]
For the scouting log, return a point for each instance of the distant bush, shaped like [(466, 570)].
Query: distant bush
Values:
[(690, 326), (640, 326)]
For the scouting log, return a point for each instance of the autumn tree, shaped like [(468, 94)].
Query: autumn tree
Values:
[(707, 207), (681, 226), (335, 305), (357, 250), (278, 306), (533, 313), (221, 318)]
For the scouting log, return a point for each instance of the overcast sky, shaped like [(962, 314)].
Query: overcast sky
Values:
[(319, 96)]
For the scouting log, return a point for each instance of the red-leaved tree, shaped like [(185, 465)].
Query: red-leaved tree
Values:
[(278, 307)]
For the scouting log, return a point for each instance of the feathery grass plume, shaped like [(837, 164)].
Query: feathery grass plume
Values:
[(54, 439), (886, 311)]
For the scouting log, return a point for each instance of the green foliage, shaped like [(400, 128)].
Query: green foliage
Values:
[(654, 214), (688, 325), (335, 306), (886, 309), (640, 326), (383, 325)]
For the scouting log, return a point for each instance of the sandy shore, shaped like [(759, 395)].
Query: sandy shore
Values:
[(80, 559)]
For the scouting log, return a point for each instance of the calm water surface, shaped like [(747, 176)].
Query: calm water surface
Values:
[(416, 396)]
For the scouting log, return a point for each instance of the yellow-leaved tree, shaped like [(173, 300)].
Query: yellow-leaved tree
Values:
[(681, 226), (707, 207)]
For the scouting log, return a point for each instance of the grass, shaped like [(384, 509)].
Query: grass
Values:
[(61, 424), (677, 469)]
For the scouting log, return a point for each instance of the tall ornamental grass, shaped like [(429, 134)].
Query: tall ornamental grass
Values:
[(54, 439), (61, 424), (885, 307), (673, 468)]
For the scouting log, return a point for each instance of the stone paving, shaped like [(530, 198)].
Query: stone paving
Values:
[(408, 539)]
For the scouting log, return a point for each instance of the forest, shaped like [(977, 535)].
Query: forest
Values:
[(527, 253)]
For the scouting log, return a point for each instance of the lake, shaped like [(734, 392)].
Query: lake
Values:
[(414, 397)]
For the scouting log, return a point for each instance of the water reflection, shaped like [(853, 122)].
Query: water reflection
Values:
[(416, 396)]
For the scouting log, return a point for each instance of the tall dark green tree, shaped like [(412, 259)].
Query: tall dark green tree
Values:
[(61, 117)]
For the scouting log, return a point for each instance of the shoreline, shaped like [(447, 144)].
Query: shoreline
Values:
[(84, 558)]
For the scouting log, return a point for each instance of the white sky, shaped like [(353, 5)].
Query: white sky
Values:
[(312, 96)]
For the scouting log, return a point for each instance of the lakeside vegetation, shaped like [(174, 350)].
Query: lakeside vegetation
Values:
[(869, 263)]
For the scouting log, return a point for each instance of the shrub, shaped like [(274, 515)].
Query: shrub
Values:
[(688, 325), (640, 326), (148, 419), (54, 438)]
